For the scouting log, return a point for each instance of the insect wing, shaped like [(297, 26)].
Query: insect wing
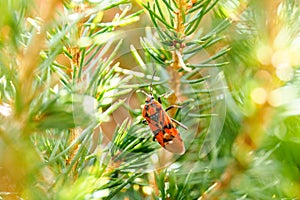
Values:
[(154, 115), (173, 141), (163, 128)]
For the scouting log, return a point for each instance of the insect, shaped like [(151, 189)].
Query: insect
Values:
[(162, 125)]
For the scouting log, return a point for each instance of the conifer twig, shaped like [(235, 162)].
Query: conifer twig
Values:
[(173, 67)]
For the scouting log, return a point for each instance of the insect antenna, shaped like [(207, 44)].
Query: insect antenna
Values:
[(145, 93), (151, 86)]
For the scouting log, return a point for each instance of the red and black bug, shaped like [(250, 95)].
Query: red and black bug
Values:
[(162, 125)]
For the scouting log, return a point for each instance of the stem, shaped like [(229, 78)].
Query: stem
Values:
[(173, 68), (76, 70)]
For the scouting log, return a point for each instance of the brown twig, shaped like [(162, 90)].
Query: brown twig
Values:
[(75, 52), (173, 68)]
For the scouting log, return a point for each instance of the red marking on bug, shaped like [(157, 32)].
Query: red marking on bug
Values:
[(163, 126)]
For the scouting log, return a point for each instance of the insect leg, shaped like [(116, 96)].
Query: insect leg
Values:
[(164, 95), (179, 124), (154, 138), (155, 134), (174, 120), (176, 106), (159, 99), (172, 106)]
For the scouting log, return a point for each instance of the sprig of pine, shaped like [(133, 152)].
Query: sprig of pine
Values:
[(62, 79), (55, 106), (180, 38)]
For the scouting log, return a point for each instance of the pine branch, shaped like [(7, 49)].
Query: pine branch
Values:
[(63, 107), (71, 106)]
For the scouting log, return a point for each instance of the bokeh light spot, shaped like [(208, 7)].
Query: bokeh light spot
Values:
[(259, 95)]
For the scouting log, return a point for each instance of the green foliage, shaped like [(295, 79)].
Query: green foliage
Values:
[(71, 75)]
